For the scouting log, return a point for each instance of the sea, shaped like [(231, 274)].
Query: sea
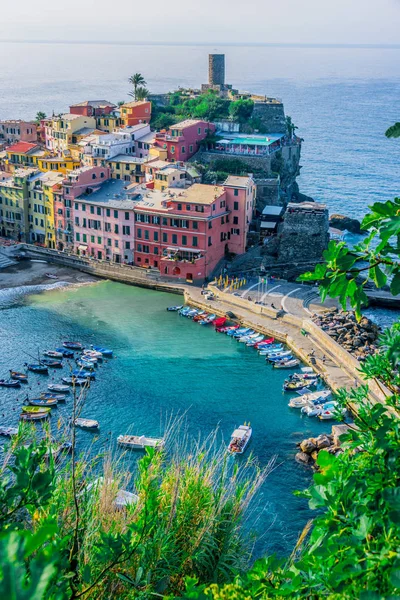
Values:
[(342, 99), (165, 367)]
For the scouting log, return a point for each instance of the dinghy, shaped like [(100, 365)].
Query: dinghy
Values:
[(293, 386), (319, 397), (58, 397), (10, 383), (52, 364), (53, 354), (286, 364), (240, 439), (42, 401), (73, 345), (92, 354), (104, 351), (313, 410), (82, 374), (174, 308), (22, 377), (140, 442), (333, 413), (58, 387), (8, 431), (38, 369), (65, 352), (75, 381), (277, 356), (89, 424), (35, 416)]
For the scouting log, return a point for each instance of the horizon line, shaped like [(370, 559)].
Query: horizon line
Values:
[(202, 44)]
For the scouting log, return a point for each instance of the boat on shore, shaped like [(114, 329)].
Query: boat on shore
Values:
[(240, 439), (73, 345), (140, 442), (18, 376), (43, 369), (9, 383), (58, 387), (90, 424)]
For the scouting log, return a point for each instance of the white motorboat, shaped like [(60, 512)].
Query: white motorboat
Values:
[(313, 410), (279, 355), (89, 424), (174, 308), (286, 364), (240, 439), (318, 397), (140, 442), (254, 341), (92, 355), (332, 413), (58, 387), (8, 431)]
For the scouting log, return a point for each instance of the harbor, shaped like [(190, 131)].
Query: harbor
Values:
[(164, 365)]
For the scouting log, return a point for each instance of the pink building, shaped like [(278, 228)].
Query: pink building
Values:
[(12, 131), (78, 182), (92, 108), (186, 233), (104, 222), (183, 139)]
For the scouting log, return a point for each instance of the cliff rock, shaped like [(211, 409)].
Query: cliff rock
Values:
[(344, 223)]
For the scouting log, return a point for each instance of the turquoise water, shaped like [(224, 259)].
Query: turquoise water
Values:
[(165, 364)]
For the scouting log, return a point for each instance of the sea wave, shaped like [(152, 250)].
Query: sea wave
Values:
[(12, 296)]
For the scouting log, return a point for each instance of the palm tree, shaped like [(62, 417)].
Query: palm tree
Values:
[(39, 117), (121, 102), (141, 93), (136, 80)]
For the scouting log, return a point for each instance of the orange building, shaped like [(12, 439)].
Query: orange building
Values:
[(133, 113)]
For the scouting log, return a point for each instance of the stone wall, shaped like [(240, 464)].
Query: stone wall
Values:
[(271, 115), (304, 233), (268, 192), (255, 163)]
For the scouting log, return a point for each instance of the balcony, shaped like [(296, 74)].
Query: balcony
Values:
[(190, 255)]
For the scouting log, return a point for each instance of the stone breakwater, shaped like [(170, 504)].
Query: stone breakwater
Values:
[(310, 447), (358, 338)]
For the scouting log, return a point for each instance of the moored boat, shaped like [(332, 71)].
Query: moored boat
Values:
[(174, 308), (51, 363), (53, 354), (314, 398), (90, 424), (207, 320), (91, 355), (10, 383), (86, 364), (38, 416), (58, 397), (277, 356), (200, 315), (140, 442), (42, 401), (8, 431), (38, 369), (240, 439), (58, 387), (65, 352), (75, 381), (332, 413), (73, 345), (82, 374), (286, 364), (107, 352), (22, 377), (220, 322)]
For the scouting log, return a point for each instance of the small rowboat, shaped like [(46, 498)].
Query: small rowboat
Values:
[(91, 355), (286, 364), (220, 322), (73, 345), (58, 397), (38, 369), (208, 320), (22, 377), (298, 384), (58, 387), (82, 374), (42, 401), (140, 442), (35, 416), (174, 308), (53, 364), (9, 383), (85, 364), (8, 431), (75, 381), (240, 439), (104, 351), (53, 354), (90, 424), (65, 352)]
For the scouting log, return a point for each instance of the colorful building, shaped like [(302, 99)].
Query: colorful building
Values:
[(62, 131), (241, 199), (43, 188), (92, 108), (104, 223), (57, 164), (81, 181), (23, 154), (12, 131), (176, 175), (14, 201), (133, 113), (184, 138), (97, 149), (128, 168)]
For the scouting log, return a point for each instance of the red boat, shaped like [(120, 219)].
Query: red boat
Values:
[(225, 329), (219, 322), (263, 342)]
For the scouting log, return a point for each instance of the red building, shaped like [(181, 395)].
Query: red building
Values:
[(133, 113), (92, 108), (186, 233), (183, 139)]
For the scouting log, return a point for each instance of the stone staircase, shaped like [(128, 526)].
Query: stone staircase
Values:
[(5, 260)]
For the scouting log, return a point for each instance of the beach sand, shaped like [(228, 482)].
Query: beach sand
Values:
[(28, 272)]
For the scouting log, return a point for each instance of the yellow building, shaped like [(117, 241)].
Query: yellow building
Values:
[(22, 155), (42, 190), (60, 165), (107, 123), (128, 168), (14, 199), (64, 130)]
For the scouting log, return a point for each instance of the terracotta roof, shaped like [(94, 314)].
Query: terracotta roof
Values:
[(95, 103), (134, 103), (21, 147)]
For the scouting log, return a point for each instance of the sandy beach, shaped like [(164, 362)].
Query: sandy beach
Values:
[(29, 272)]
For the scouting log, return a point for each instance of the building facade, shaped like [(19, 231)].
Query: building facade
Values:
[(12, 131), (183, 139), (60, 131), (133, 113), (14, 200), (43, 188), (92, 108)]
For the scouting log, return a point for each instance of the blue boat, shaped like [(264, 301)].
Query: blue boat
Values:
[(38, 368), (104, 351), (65, 352), (83, 374)]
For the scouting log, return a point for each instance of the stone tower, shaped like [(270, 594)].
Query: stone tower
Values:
[(216, 69)]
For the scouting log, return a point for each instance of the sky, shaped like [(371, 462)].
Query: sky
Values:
[(207, 21)]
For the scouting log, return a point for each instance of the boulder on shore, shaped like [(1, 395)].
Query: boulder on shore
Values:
[(308, 446), (304, 458), (344, 223)]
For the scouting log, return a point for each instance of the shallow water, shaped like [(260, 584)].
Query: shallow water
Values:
[(165, 364)]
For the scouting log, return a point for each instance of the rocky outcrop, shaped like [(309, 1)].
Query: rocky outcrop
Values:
[(344, 223), (310, 448), (358, 338)]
